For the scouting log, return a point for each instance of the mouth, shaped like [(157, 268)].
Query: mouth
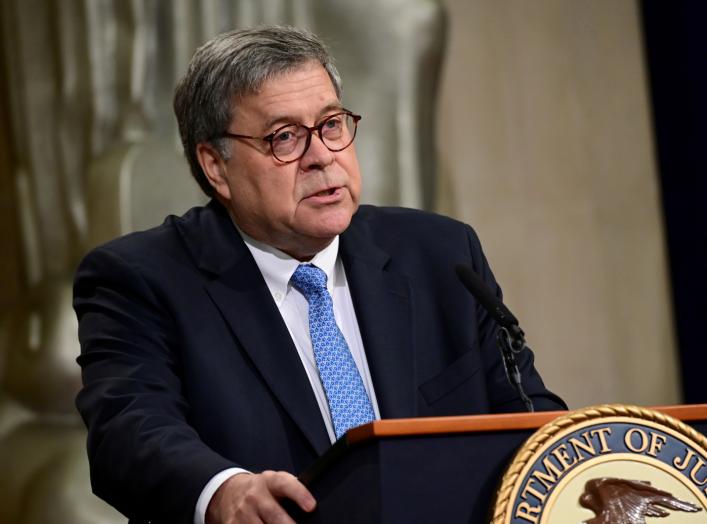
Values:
[(325, 192), (330, 195)]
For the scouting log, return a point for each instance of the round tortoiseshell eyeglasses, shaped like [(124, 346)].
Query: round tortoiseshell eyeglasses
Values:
[(290, 142)]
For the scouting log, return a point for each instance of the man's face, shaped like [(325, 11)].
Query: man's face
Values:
[(301, 206)]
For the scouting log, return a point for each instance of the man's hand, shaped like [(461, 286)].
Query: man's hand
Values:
[(252, 498)]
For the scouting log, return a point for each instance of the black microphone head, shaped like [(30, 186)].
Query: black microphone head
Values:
[(477, 287)]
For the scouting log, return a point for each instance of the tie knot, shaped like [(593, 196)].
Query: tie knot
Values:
[(309, 280)]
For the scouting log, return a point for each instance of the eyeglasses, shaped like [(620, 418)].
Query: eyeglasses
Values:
[(291, 141)]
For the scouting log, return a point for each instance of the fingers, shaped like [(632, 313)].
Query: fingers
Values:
[(253, 498), (285, 485)]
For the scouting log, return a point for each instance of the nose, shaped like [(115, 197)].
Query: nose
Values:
[(317, 156)]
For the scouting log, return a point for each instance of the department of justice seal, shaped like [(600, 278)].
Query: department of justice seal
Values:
[(609, 464)]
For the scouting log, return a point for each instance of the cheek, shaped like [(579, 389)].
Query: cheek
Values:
[(277, 192), (263, 185), (352, 168)]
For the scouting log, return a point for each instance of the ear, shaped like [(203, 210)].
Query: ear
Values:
[(214, 168)]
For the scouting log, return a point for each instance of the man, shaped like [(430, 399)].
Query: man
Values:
[(223, 351)]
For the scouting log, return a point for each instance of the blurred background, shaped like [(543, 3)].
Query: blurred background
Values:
[(571, 134)]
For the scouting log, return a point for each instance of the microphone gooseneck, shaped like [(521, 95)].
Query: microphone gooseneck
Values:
[(510, 337)]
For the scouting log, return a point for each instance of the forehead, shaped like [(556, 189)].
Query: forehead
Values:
[(301, 94)]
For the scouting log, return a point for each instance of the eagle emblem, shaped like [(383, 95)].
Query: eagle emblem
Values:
[(621, 501)]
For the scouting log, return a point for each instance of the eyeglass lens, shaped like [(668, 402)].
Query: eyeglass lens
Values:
[(337, 133)]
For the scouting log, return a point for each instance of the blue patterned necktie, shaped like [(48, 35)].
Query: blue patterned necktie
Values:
[(348, 401)]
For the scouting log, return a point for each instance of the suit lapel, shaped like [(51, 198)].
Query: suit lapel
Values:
[(240, 293), (382, 301)]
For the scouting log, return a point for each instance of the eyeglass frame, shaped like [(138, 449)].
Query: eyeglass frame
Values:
[(271, 136)]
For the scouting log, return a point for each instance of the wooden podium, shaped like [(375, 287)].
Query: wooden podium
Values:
[(442, 469)]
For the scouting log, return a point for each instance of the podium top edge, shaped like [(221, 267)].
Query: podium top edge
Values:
[(484, 423)]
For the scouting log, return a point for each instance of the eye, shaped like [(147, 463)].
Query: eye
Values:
[(332, 127), (284, 136), (333, 123)]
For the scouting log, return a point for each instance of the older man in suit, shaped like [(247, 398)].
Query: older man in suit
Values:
[(223, 351)]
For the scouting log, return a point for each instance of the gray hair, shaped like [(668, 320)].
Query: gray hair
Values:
[(231, 65)]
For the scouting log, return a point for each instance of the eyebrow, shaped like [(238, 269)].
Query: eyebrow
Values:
[(288, 119)]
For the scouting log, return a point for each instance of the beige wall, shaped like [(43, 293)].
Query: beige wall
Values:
[(545, 148)]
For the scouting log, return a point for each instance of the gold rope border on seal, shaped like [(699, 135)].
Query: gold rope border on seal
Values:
[(541, 436)]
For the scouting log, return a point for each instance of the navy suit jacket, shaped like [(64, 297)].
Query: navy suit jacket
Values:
[(189, 369)]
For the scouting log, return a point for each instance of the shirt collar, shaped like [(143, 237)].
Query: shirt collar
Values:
[(277, 267)]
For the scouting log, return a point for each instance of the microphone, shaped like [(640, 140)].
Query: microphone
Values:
[(510, 338), (491, 302)]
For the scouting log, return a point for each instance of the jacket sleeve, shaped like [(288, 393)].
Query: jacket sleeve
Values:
[(145, 459)]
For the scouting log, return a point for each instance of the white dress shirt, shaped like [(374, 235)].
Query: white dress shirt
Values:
[(277, 268)]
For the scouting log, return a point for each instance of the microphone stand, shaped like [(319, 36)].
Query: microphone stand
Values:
[(510, 338), (511, 342)]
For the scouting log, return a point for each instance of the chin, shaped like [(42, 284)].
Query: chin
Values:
[(328, 223), (335, 224), (327, 232)]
